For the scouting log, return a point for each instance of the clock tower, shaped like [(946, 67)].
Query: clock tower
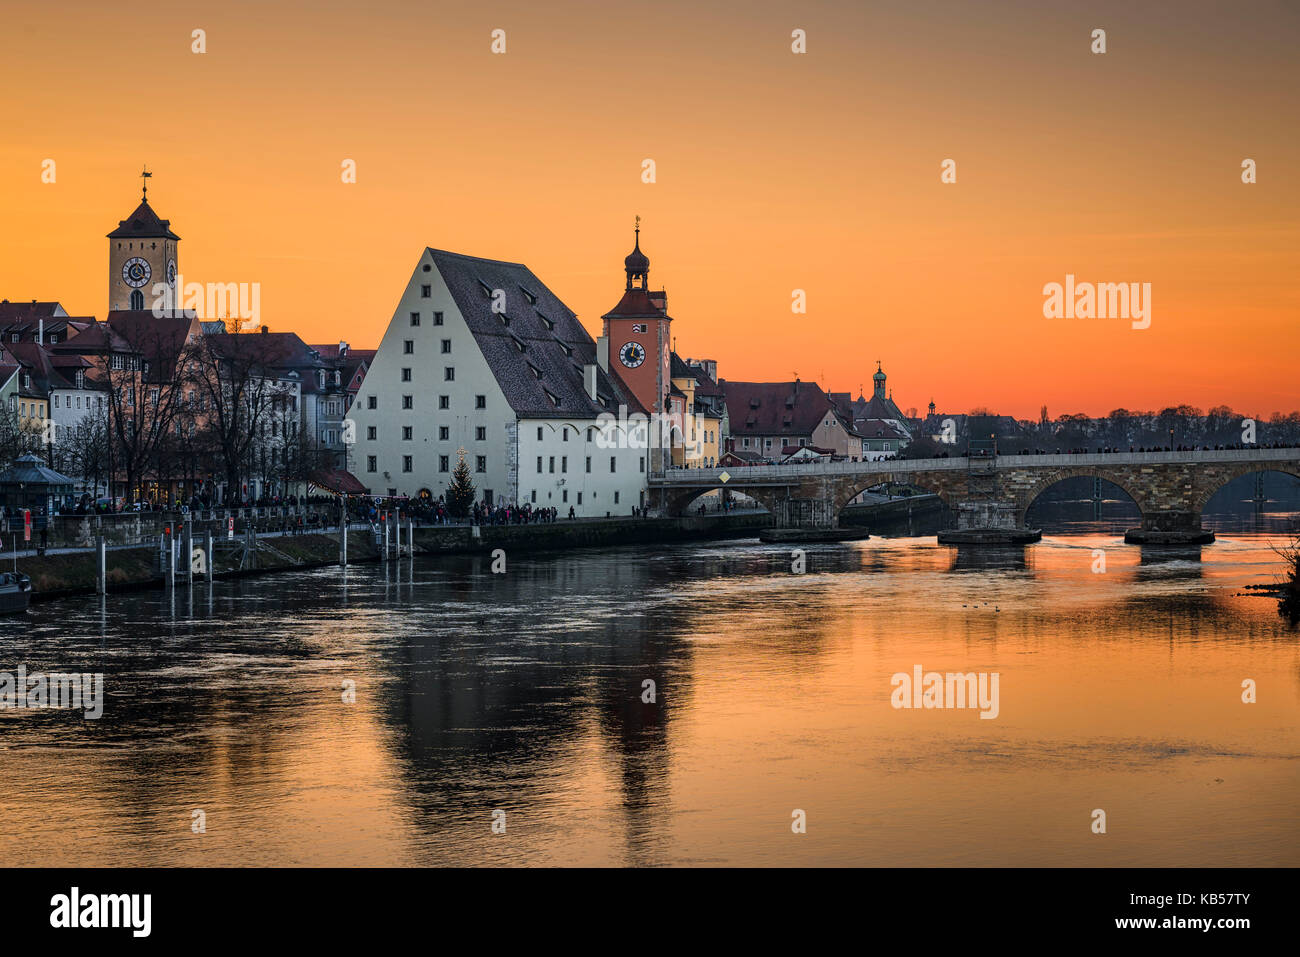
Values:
[(141, 255), (637, 331)]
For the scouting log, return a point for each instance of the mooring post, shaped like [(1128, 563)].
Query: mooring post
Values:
[(189, 554), (170, 560), (385, 538), (343, 532), (397, 535), (410, 536), (101, 565)]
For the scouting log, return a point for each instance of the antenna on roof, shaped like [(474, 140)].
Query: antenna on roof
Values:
[(144, 183)]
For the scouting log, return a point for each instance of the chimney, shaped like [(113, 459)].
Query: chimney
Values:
[(602, 353), (589, 378), (265, 330), (40, 332), (343, 349)]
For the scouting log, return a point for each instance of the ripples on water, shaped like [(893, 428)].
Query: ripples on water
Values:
[(522, 692)]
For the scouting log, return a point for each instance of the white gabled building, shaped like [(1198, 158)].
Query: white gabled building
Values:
[(481, 356)]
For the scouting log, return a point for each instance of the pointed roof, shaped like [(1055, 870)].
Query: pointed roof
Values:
[(537, 349), (143, 224)]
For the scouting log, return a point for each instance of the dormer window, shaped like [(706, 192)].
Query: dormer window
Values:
[(546, 322), (320, 378), (532, 300)]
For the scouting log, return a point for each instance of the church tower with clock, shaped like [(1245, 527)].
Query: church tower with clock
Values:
[(141, 255), (637, 336)]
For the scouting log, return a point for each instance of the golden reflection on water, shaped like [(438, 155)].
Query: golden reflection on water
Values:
[(1119, 690)]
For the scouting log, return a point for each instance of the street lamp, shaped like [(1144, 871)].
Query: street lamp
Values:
[(1171, 438)]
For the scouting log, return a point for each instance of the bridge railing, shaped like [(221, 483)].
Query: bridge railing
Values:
[(762, 473)]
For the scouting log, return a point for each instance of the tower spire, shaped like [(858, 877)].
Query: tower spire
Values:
[(636, 264)]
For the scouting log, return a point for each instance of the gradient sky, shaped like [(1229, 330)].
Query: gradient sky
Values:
[(776, 171)]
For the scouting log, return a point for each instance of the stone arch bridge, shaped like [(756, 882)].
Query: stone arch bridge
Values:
[(989, 495)]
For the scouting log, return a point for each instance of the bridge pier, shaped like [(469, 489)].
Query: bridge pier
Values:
[(988, 523), (803, 513), (1170, 527)]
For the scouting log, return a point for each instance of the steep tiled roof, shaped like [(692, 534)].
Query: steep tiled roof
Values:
[(775, 408), (555, 346), (143, 224), (10, 311), (637, 303)]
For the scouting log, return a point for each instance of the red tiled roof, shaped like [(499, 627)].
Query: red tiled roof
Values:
[(637, 303), (338, 480), (775, 408)]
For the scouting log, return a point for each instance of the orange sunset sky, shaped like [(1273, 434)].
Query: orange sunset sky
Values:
[(775, 172)]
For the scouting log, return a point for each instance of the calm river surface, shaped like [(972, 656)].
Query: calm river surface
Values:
[(522, 692)]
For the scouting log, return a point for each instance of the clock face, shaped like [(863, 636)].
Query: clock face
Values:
[(136, 272), (171, 272), (632, 354)]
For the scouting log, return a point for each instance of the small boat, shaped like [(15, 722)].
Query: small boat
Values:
[(15, 593)]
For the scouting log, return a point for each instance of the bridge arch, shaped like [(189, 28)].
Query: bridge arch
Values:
[(1213, 486), (852, 486), (1027, 496), (678, 502)]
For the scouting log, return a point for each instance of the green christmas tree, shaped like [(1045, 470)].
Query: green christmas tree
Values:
[(460, 494)]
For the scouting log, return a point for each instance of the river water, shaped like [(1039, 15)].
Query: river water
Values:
[(522, 693)]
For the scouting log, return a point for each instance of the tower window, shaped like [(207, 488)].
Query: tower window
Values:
[(137, 300)]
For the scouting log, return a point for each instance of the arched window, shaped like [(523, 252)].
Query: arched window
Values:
[(137, 300)]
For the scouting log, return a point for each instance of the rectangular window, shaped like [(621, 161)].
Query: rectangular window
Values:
[(480, 463), (437, 318), (564, 463), (408, 402), (426, 292), (446, 347), (406, 375), (372, 463), (480, 433), (480, 402), (449, 374), (408, 347), (539, 465), (613, 464), (415, 318), (588, 463), (444, 433), (444, 402), (539, 433), (566, 433), (406, 433), (642, 463), (406, 463), (442, 463), (534, 495), (552, 463), (372, 402), (566, 495), (579, 498), (371, 432), (616, 498)]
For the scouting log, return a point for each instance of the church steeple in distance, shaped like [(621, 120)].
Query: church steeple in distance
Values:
[(141, 255)]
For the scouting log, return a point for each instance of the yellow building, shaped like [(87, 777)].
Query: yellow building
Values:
[(702, 419)]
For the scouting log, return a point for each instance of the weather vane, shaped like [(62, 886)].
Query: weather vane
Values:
[(144, 183)]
